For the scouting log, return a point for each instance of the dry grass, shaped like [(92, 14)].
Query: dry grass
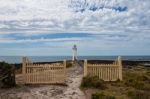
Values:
[(136, 81)]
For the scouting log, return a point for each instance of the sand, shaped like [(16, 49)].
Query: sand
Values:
[(71, 91)]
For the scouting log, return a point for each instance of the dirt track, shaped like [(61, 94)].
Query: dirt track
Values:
[(71, 91)]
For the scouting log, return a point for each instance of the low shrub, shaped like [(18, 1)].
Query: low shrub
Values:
[(93, 82), (137, 94), (148, 72), (143, 78), (146, 87), (135, 80), (7, 76), (117, 84), (80, 62), (5, 67), (69, 64), (102, 96), (134, 83)]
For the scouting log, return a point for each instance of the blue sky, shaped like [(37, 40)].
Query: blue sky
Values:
[(52, 27)]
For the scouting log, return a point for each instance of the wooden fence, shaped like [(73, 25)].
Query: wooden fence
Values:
[(42, 73), (107, 72)]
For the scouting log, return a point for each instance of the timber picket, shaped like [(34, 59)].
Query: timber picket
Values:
[(107, 72), (42, 73)]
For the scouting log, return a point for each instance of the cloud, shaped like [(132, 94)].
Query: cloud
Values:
[(38, 40), (59, 15), (101, 24)]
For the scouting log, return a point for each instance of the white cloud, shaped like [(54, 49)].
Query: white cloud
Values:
[(58, 15), (10, 40), (37, 17)]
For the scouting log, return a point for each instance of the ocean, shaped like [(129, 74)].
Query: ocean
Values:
[(17, 59)]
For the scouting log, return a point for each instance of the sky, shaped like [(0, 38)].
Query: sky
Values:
[(52, 27)]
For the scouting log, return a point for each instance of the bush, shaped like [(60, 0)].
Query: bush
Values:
[(136, 81), (7, 76), (69, 64), (5, 67), (138, 95), (117, 83), (92, 82), (143, 78), (102, 96), (146, 87), (80, 62)]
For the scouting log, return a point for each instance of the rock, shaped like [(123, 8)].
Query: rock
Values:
[(74, 93), (49, 94), (43, 92)]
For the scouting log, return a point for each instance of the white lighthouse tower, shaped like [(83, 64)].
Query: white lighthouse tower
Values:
[(74, 57)]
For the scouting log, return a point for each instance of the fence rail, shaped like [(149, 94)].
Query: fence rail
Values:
[(107, 72), (42, 73)]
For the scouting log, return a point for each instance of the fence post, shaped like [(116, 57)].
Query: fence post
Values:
[(120, 67), (64, 70), (24, 59), (85, 67)]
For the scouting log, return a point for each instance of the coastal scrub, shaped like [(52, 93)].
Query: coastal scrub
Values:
[(93, 82), (7, 75)]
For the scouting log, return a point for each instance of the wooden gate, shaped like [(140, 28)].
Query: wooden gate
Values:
[(106, 72), (43, 73)]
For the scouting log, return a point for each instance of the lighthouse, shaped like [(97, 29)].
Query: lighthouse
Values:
[(74, 57)]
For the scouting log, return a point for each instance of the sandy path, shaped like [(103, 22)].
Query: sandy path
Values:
[(74, 77), (72, 91)]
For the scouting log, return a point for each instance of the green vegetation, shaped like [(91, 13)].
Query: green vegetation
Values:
[(101, 95), (137, 78), (137, 81), (81, 62), (138, 95), (93, 82), (69, 64), (7, 76), (135, 85)]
